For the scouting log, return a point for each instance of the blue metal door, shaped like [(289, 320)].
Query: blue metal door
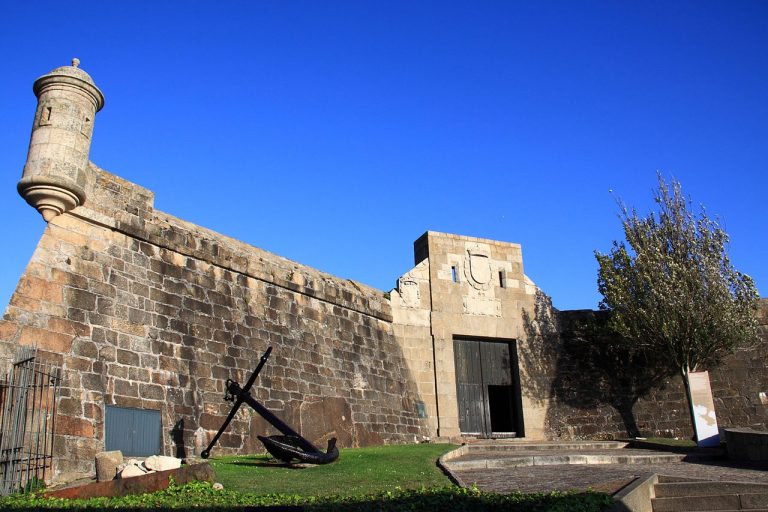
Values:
[(135, 432)]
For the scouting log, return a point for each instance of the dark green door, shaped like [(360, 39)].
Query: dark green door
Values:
[(469, 387), (487, 388)]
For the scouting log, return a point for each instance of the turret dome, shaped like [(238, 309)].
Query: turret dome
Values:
[(73, 71), (66, 74)]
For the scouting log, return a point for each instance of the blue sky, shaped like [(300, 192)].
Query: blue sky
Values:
[(336, 133)]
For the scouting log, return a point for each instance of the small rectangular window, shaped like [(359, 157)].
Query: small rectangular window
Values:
[(501, 279), (45, 116), (454, 274)]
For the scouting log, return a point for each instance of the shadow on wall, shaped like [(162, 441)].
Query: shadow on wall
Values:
[(576, 361), (177, 436)]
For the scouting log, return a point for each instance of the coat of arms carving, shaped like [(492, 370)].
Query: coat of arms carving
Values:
[(477, 268), (409, 293)]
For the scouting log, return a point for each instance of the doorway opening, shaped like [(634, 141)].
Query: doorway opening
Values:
[(488, 388)]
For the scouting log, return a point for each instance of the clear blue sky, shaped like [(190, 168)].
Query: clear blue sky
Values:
[(336, 133)]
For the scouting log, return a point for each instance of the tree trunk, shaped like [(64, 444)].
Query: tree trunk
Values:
[(628, 417), (684, 374)]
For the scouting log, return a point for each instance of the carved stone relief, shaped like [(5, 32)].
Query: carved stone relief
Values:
[(483, 306), (477, 267), (409, 292)]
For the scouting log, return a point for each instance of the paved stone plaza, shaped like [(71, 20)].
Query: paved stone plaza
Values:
[(605, 477), (607, 466)]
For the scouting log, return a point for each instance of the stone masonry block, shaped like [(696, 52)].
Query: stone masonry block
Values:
[(67, 278), (41, 289), (127, 357), (46, 340), (65, 326), (80, 299), (126, 388), (83, 347), (73, 426), (8, 330)]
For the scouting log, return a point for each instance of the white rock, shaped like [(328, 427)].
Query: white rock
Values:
[(162, 463), (217, 486), (132, 470)]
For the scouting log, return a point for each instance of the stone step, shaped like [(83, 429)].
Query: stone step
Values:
[(512, 446), (696, 503), (678, 489), (750, 501), (489, 461), (666, 479), (481, 454)]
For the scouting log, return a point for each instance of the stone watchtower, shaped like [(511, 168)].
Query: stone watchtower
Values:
[(55, 173)]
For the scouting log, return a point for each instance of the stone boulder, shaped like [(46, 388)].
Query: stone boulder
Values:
[(161, 463), (107, 464)]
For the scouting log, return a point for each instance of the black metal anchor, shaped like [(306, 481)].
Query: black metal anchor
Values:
[(291, 445)]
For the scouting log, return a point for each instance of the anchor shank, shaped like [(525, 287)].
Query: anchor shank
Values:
[(256, 372), (271, 418), (205, 453)]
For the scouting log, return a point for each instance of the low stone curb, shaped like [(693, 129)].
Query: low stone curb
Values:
[(747, 445), (455, 453), (636, 496), (444, 463)]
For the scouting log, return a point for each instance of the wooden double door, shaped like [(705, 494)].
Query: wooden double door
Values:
[(488, 388)]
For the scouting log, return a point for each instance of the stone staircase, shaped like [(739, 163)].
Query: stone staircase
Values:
[(493, 464), (497, 455), (680, 495)]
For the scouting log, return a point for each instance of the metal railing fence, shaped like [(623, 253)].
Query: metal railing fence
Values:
[(27, 419)]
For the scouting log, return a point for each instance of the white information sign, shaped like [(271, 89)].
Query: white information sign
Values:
[(703, 409)]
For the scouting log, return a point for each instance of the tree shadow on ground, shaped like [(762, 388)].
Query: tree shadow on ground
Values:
[(268, 464), (575, 359)]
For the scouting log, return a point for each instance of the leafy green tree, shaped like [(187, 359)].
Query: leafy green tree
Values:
[(671, 287)]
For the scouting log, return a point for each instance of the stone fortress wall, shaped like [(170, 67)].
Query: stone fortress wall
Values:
[(588, 397), (144, 310)]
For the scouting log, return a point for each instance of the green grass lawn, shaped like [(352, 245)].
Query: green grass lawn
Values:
[(358, 471), (380, 479)]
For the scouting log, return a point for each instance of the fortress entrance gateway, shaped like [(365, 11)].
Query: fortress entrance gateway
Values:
[(488, 388)]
